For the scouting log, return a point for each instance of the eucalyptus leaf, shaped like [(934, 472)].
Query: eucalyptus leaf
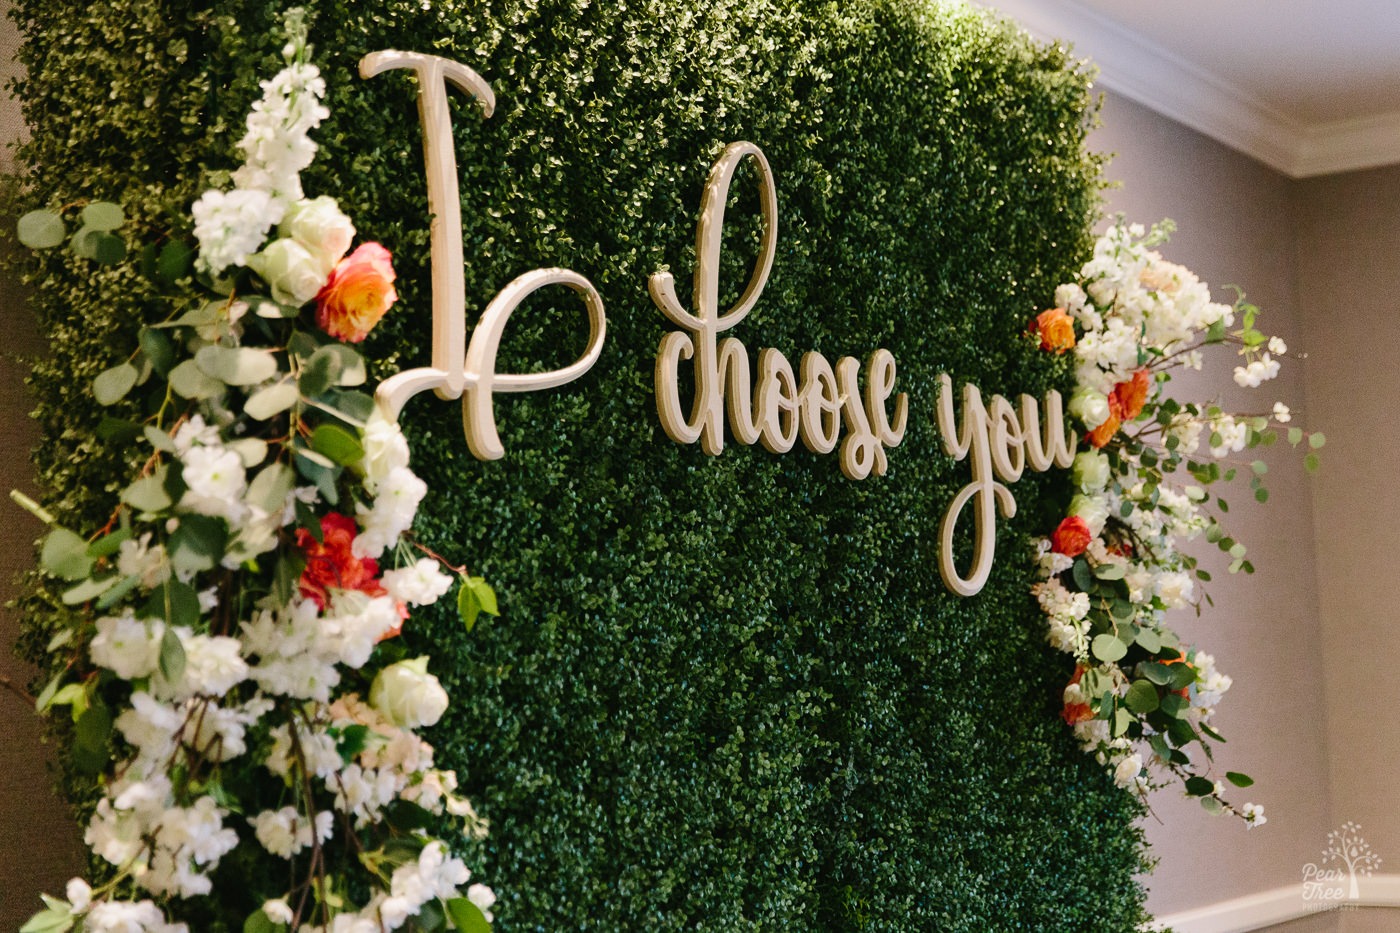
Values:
[(1141, 697), (64, 554), (172, 656), (174, 262), (111, 385), (1238, 779), (265, 403), (251, 450), (103, 215), (148, 493), (1108, 648), (108, 248), (41, 230), (236, 366), (88, 589), (84, 242), (269, 488), (108, 544), (159, 439), (157, 348), (191, 382), (118, 592), (1111, 571)]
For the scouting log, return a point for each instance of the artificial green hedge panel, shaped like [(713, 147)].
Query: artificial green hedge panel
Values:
[(725, 693)]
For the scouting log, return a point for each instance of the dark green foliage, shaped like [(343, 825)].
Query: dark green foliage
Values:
[(724, 693)]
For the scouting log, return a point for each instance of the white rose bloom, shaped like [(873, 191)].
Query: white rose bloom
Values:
[(1093, 509), (408, 695), (385, 449), (1091, 471), (320, 227), (421, 584), (1127, 770), (1089, 407), (127, 645), (293, 273)]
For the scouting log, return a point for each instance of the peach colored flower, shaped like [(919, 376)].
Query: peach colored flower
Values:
[(1055, 328), (1104, 432), (1072, 537), (358, 292), (1130, 396)]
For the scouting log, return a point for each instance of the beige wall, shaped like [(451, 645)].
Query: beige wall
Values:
[(39, 843), (1349, 269), (1236, 224)]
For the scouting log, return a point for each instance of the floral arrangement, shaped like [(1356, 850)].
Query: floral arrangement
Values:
[(231, 670), (1111, 570)]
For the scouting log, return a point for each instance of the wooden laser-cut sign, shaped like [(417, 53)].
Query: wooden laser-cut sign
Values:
[(786, 408), (459, 367), (814, 402)]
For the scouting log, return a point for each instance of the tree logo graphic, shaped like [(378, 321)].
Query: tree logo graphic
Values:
[(1346, 849)]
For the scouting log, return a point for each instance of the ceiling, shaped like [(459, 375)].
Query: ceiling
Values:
[(1309, 87)]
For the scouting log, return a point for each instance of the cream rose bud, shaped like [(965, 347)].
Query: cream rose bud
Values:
[(321, 228), (1091, 471), (289, 268), (1127, 770), (1089, 407), (1092, 509), (408, 695)]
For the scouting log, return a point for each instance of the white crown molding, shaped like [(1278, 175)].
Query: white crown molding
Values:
[(1157, 78), (1268, 908)]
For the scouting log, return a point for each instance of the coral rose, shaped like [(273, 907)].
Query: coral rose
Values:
[(1104, 432), (1130, 396), (360, 289), (1055, 328), (331, 564), (1072, 537)]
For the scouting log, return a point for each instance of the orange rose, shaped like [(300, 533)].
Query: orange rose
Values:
[(1130, 396), (1055, 328), (1072, 537), (1104, 432), (358, 292), (332, 564)]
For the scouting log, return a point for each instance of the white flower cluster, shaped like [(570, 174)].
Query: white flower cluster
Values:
[(1132, 299), (232, 225), (286, 657)]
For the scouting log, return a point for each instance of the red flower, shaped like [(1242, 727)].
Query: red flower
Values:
[(1076, 712), (358, 292), (1072, 537), (331, 564), (1055, 328)]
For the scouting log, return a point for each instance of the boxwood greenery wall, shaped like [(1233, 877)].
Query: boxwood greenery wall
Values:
[(725, 693)]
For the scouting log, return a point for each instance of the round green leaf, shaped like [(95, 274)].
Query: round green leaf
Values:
[(41, 230), (189, 381), (265, 403), (103, 215), (111, 385), (1141, 697), (237, 366), (108, 248), (1109, 649)]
